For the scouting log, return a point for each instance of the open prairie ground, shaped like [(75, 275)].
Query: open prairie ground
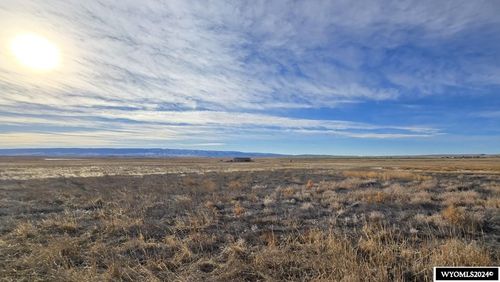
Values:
[(299, 219)]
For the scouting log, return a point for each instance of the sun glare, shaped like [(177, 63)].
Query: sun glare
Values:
[(35, 52)]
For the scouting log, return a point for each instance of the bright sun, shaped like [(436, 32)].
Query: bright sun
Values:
[(35, 52)]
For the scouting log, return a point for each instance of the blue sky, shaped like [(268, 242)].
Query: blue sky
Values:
[(321, 77)]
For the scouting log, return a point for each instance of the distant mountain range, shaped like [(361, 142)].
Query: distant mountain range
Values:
[(127, 152), (163, 153)]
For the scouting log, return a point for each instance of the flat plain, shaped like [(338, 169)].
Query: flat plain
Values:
[(274, 219)]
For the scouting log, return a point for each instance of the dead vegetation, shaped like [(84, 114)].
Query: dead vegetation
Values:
[(283, 224), (386, 175)]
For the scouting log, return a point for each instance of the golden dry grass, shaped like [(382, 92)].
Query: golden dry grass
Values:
[(386, 175), (296, 223)]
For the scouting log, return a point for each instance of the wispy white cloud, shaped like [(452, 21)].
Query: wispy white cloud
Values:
[(203, 144), (168, 70), (488, 114), (155, 128)]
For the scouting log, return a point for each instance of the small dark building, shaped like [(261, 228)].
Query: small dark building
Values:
[(242, 160)]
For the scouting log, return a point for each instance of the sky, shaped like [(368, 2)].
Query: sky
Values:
[(292, 77)]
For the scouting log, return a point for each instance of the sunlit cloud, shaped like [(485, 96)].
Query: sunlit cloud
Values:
[(156, 72)]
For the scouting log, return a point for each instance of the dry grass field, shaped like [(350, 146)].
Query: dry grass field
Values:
[(269, 220)]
